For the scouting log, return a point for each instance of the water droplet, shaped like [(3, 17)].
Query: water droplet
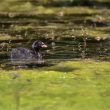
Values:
[(98, 38)]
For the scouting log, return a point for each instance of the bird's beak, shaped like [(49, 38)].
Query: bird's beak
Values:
[(44, 46)]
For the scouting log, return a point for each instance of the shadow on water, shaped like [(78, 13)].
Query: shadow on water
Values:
[(88, 3), (8, 65), (64, 69)]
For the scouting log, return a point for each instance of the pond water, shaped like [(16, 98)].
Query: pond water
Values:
[(69, 37)]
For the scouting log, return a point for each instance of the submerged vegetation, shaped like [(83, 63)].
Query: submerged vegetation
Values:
[(76, 26)]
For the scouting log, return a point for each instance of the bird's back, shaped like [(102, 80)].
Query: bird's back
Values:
[(22, 54)]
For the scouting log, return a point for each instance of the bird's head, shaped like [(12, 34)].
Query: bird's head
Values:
[(38, 45)]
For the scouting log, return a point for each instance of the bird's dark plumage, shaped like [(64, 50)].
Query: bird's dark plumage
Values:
[(25, 54)]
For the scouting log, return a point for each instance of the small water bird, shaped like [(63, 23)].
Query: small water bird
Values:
[(25, 55)]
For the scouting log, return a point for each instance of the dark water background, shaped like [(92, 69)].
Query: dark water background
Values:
[(59, 32)]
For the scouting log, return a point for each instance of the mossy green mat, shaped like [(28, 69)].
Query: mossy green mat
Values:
[(69, 85)]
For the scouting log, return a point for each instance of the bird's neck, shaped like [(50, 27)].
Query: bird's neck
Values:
[(36, 50)]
